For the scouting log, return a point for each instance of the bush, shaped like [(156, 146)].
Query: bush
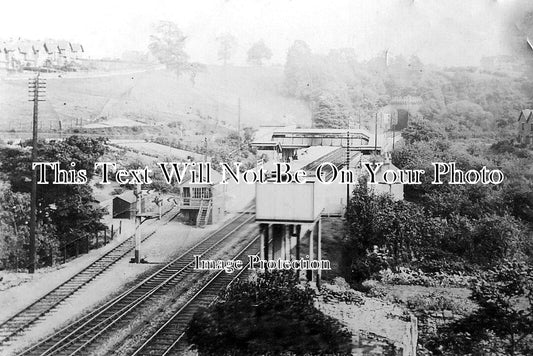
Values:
[(271, 315), (435, 302), (407, 276), (340, 292), (503, 322)]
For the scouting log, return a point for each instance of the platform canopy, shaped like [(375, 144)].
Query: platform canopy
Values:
[(299, 138)]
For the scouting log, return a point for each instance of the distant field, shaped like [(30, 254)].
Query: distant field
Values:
[(158, 96)]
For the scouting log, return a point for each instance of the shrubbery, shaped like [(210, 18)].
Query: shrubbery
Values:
[(272, 314), (444, 228), (67, 213), (502, 324), (407, 276)]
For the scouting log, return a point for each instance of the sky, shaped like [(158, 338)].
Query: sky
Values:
[(443, 32)]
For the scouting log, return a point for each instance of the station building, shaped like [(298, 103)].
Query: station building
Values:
[(291, 213), (284, 142)]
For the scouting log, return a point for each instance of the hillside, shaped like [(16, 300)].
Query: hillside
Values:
[(156, 96)]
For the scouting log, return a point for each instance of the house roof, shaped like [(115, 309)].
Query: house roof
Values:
[(526, 113), (76, 47), (10, 46), (51, 46), (387, 165), (37, 46), (63, 46), (127, 196), (25, 47)]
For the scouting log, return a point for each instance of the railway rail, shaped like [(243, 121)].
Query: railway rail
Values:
[(169, 338), (21, 321), (77, 337)]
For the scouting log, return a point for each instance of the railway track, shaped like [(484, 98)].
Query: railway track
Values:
[(75, 338), (170, 337), (38, 309)]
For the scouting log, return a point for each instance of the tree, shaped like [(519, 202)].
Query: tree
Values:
[(248, 134), (503, 322), (227, 44), (167, 44), (259, 52), (14, 229), (70, 210), (297, 69), (194, 69), (415, 64), (271, 315), (402, 229), (422, 130), (331, 112), (464, 117)]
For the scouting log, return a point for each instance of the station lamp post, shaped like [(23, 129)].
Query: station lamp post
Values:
[(376, 134)]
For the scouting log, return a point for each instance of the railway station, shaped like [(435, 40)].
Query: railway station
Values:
[(290, 213), (276, 223), (218, 179), (285, 142)]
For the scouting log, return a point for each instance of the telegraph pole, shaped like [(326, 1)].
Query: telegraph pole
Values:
[(393, 138), (394, 122), (239, 123), (376, 135), (205, 148), (36, 88), (239, 119)]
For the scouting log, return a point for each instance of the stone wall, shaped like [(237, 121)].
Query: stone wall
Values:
[(379, 328)]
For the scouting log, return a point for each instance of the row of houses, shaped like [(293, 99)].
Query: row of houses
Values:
[(21, 54)]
